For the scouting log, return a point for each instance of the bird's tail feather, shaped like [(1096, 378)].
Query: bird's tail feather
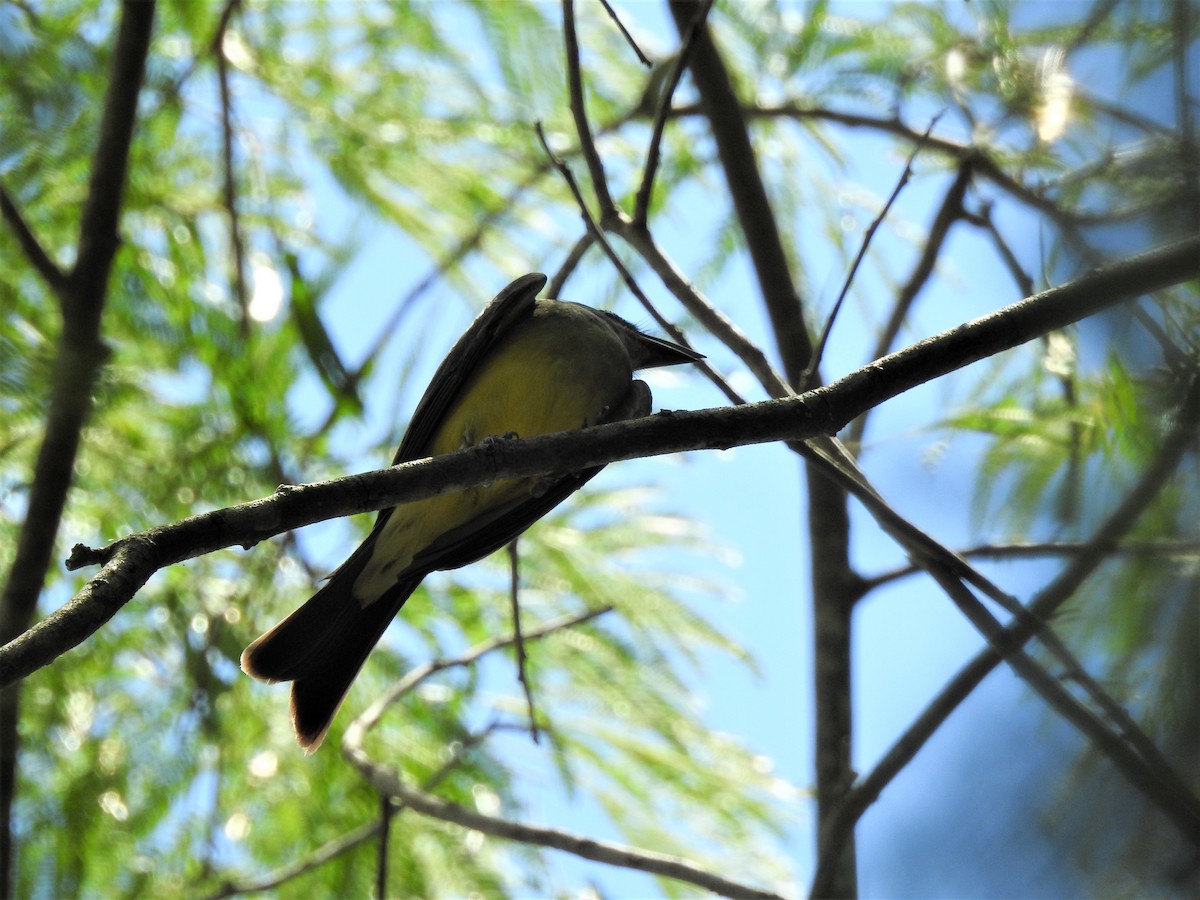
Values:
[(320, 648)]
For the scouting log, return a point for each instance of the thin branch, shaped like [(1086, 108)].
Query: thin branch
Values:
[(519, 639), (948, 213), (574, 257), (1067, 221), (54, 277), (930, 255), (372, 714), (727, 122), (347, 842), (386, 780), (1184, 548), (702, 309), (229, 187), (319, 857), (385, 829), (641, 206), (867, 790), (1022, 278), (1137, 759), (587, 144), (597, 235), (638, 235), (131, 561), (625, 33)]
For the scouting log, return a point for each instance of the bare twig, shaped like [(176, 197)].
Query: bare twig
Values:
[(519, 638), (567, 268), (319, 857), (597, 235), (587, 144), (949, 212), (1050, 598), (389, 782), (819, 352), (625, 33), (1138, 759), (1022, 278), (385, 832), (30, 245), (1176, 548), (372, 714), (703, 310), (641, 206), (385, 779), (229, 187)]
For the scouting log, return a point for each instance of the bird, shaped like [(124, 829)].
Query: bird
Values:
[(524, 367)]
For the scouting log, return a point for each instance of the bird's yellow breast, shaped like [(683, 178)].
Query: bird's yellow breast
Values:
[(559, 369)]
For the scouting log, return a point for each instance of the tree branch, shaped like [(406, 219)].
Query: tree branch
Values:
[(131, 561), (389, 782), (579, 112), (1185, 548), (325, 853), (726, 120), (370, 717), (30, 245), (229, 182), (385, 779), (924, 268), (641, 204), (867, 790), (79, 356)]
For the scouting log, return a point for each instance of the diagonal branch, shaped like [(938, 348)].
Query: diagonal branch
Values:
[(587, 143), (595, 234), (370, 717), (867, 790), (328, 851), (910, 291), (641, 205), (131, 561), (389, 783), (739, 163), (30, 245), (383, 778)]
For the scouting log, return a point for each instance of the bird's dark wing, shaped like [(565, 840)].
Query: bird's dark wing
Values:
[(497, 317), (489, 532)]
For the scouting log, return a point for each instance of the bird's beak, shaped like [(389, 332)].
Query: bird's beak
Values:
[(654, 352)]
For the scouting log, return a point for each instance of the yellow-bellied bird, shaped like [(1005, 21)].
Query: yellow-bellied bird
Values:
[(524, 367)]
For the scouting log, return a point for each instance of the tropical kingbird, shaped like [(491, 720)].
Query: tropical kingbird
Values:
[(524, 367)]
